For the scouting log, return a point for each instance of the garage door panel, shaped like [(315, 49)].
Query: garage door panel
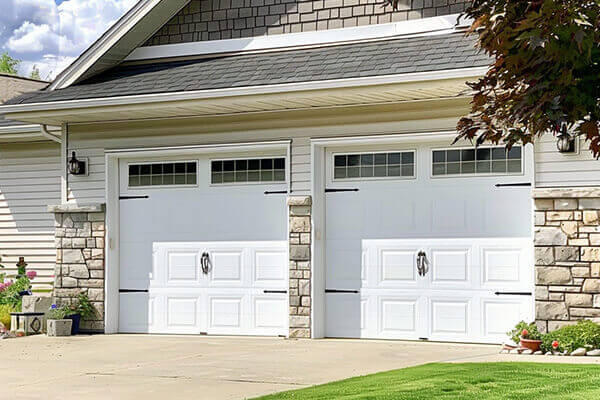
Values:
[(450, 317), (451, 267), (398, 317), (499, 315), (269, 313), (182, 268), (164, 233), (270, 268), (456, 216), (182, 312), (227, 267)]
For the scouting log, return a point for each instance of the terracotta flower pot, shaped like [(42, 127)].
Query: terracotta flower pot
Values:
[(533, 345)]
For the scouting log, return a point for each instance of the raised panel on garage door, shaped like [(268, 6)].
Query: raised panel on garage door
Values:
[(476, 258), (200, 253)]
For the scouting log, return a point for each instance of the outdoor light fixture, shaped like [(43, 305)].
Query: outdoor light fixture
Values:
[(76, 167), (566, 142)]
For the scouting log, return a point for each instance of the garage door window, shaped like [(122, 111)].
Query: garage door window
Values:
[(257, 170), (374, 165), (481, 161), (163, 174)]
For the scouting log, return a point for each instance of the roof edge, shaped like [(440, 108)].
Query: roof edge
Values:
[(461, 73), (101, 46)]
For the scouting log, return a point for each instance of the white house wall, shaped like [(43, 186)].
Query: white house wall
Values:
[(29, 181), (91, 140), (565, 170)]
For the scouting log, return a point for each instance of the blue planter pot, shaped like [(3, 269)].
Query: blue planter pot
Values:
[(75, 327)]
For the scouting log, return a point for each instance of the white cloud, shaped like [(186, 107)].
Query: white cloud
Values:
[(51, 36)]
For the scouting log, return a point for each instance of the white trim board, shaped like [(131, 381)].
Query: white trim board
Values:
[(420, 27), (92, 56), (244, 91)]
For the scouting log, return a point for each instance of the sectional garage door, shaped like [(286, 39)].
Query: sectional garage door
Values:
[(203, 250), (428, 242)]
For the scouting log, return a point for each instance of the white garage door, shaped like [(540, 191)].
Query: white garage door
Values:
[(427, 242), (203, 249)]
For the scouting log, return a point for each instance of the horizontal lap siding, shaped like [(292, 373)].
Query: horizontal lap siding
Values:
[(90, 141), (29, 181), (554, 169)]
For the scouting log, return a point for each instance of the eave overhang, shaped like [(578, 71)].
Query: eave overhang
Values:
[(253, 99)]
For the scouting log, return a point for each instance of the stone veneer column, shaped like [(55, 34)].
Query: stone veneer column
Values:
[(300, 265), (567, 256), (79, 240)]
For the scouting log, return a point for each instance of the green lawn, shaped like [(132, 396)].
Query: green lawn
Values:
[(527, 381)]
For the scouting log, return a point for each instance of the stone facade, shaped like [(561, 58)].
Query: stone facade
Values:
[(79, 238), (204, 20), (567, 256), (300, 265)]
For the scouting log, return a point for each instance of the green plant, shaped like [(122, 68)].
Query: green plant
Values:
[(525, 330), (59, 312), (85, 307), (583, 334), (10, 292), (5, 310)]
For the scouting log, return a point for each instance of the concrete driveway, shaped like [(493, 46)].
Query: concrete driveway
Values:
[(195, 367)]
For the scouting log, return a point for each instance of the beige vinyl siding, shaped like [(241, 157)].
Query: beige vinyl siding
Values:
[(91, 140), (29, 181), (553, 169)]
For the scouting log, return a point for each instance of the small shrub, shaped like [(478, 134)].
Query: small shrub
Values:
[(5, 310), (532, 332), (85, 307), (583, 334), (59, 312)]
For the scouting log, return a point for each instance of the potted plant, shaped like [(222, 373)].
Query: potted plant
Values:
[(83, 309), (527, 336), (57, 322)]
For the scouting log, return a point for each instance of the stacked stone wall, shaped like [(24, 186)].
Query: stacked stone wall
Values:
[(567, 256), (80, 240), (300, 266)]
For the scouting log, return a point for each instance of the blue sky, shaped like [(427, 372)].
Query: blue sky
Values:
[(52, 33)]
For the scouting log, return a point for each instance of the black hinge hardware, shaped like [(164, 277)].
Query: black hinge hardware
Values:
[(204, 333), (133, 290), (133, 197), (340, 291), (341, 190), (277, 192), (524, 184), (424, 338), (274, 291), (512, 294)]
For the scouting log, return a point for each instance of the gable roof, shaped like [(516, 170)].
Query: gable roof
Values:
[(130, 31), (370, 59)]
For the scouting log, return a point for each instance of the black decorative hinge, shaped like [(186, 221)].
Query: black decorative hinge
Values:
[(341, 190), (133, 197), (524, 184)]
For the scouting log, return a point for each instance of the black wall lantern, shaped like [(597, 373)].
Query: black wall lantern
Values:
[(566, 142), (76, 167)]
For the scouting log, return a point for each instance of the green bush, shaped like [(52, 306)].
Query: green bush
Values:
[(584, 334), (532, 329), (5, 310), (9, 292)]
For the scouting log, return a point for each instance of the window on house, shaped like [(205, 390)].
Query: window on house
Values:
[(163, 174), (260, 170), (374, 165), (484, 160)]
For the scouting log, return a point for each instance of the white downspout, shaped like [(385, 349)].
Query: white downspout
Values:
[(48, 135)]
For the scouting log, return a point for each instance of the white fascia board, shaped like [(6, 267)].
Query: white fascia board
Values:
[(20, 133), (418, 27), (13, 110), (105, 43)]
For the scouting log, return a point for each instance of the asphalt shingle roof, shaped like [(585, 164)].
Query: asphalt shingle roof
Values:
[(385, 57)]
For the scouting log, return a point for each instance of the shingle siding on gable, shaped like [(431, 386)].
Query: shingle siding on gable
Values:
[(204, 20)]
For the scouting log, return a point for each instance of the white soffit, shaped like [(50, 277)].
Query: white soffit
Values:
[(412, 28)]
